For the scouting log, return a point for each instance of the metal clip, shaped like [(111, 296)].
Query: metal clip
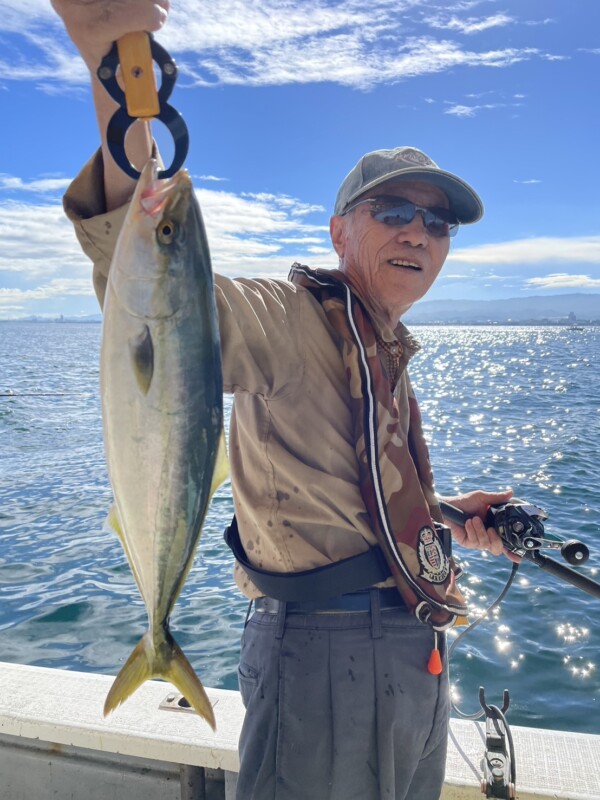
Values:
[(498, 761), (140, 100)]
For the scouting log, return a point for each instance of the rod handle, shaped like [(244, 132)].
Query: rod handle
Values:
[(564, 573)]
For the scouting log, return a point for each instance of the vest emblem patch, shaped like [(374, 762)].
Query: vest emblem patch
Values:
[(434, 564)]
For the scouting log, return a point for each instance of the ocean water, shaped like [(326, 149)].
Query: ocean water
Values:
[(502, 406)]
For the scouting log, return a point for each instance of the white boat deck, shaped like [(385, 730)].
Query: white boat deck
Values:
[(64, 710)]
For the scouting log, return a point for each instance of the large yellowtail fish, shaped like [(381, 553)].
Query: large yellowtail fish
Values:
[(162, 406)]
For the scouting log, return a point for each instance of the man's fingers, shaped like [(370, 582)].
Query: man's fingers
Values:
[(481, 538), (94, 25)]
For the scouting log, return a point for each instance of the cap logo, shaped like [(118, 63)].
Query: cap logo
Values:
[(415, 157)]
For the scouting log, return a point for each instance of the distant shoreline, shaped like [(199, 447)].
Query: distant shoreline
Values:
[(528, 323)]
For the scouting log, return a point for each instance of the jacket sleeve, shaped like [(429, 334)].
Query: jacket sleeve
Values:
[(260, 321)]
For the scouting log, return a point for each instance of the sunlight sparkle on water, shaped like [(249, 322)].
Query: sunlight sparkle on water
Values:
[(502, 645), (571, 633), (581, 669), (455, 694)]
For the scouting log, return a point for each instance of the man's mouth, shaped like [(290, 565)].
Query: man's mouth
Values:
[(398, 262)]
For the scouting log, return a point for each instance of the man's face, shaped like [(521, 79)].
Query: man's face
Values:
[(391, 267)]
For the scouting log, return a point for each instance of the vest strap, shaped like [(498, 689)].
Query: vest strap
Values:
[(342, 577)]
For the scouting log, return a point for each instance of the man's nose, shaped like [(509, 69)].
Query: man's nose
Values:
[(414, 232)]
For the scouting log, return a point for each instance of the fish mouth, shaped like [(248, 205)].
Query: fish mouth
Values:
[(405, 264), (153, 193)]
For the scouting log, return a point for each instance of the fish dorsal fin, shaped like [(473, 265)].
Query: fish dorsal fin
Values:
[(221, 470), (141, 350)]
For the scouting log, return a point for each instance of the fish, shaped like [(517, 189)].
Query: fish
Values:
[(162, 411)]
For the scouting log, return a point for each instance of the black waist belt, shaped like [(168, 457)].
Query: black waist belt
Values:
[(343, 577)]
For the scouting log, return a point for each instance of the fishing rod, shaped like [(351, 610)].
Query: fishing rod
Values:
[(520, 526)]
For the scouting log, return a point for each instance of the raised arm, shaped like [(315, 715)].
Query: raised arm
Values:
[(93, 26)]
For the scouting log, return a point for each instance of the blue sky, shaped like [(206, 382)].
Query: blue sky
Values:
[(282, 98)]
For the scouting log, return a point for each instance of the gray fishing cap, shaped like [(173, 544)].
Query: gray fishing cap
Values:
[(408, 162)]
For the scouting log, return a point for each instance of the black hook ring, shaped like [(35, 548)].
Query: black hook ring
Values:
[(121, 121)]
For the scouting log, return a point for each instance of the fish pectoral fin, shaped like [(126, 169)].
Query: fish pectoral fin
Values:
[(221, 470), (141, 350), (113, 521)]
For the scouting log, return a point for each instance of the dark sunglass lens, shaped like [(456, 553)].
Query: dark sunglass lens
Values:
[(439, 222), (397, 215), (435, 225)]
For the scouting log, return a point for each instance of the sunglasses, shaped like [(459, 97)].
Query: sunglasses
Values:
[(397, 211)]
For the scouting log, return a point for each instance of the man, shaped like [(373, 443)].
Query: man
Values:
[(334, 670)]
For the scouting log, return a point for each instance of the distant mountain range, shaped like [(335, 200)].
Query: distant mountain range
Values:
[(564, 309)]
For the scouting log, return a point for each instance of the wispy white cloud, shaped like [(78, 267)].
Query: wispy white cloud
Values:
[(538, 250), (38, 242), (60, 287), (209, 178), (39, 186), (470, 25), (528, 182), (562, 280), (459, 110), (534, 22), (348, 59), (267, 42), (473, 109), (259, 234)]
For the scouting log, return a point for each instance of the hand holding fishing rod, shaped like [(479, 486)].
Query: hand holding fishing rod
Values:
[(520, 527)]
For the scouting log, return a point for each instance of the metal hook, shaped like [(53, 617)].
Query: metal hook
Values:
[(489, 710)]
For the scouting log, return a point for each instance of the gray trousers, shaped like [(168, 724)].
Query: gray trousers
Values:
[(341, 707)]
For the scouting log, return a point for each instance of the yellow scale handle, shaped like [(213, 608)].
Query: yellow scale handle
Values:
[(137, 74)]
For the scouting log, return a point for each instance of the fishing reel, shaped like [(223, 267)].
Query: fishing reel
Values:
[(519, 525)]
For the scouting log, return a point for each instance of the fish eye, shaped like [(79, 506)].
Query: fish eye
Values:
[(166, 231)]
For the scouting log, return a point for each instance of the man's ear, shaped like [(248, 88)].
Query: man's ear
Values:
[(337, 231)]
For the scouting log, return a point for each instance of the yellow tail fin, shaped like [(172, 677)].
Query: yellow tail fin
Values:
[(166, 661), (180, 673)]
